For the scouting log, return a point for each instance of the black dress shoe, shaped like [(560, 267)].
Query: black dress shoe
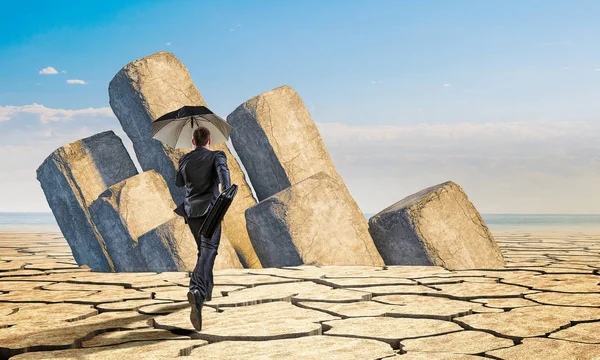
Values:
[(196, 302)]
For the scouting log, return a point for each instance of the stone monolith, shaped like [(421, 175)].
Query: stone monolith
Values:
[(312, 222), (128, 210), (278, 142), (72, 177), (146, 89), (436, 226)]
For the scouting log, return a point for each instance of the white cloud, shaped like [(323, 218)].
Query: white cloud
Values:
[(76, 81), (447, 85), (63, 72), (48, 71), (48, 114), (168, 44)]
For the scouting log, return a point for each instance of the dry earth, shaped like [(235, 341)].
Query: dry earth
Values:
[(545, 304)]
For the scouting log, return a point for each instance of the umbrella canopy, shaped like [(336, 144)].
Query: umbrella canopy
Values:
[(177, 127)]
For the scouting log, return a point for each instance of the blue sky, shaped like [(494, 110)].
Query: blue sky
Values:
[(499, 96)]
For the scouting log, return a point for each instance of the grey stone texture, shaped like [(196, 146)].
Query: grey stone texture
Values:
[(143, 91), (72, 177), (128, 210), (148, 88), (171, 247), (278, 142), (312, 222), (436, 226)]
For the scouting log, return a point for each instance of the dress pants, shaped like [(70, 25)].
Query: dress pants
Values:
[(202, 276)]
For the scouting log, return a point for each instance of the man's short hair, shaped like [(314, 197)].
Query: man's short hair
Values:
[(201, 135)]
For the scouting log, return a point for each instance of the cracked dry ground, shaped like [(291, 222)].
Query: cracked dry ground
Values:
[(544, 305)]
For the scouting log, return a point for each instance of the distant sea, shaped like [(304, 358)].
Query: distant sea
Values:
[(32, 222)]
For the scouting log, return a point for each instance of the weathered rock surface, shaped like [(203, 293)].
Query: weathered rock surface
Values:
[(148, 88), (306, 348), (143, 234), (72, 177), (312, 222), (389, 330), (278, 142), (462, 342), (171, 247), (139, 350), (534, 349), (128, 210), (143, 91), (58, 318), (436, 226)]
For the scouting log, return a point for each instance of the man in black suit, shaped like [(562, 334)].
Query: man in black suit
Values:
[(201, 171)]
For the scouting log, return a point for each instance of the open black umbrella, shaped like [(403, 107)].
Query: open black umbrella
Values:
[(176, 127)]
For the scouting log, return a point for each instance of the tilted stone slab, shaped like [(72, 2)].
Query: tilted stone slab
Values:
[(148, 88), (312, 222), (128, 210), (234, 222), (72, 177), (305, 348), (141, 92), (436, 226), (278, 142)]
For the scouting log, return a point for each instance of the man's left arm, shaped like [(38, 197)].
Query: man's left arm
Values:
[(222, 170)]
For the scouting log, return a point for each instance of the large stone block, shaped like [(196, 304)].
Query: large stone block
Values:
[(278, 142), (72, 177), (312, 222), (148, 88), (141, 92), (128, 210), (436, 226), (141, 231), (171, 247)]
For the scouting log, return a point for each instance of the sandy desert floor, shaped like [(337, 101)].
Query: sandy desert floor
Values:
[(544, 305)]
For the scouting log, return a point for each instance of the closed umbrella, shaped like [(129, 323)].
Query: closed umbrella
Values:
[(177, 127)]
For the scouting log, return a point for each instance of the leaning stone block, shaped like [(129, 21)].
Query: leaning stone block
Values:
[(436, 226), (171, 247), (72, 177), (311, 223), (150, 87), (143, 91), (278, 142), (128, 210)]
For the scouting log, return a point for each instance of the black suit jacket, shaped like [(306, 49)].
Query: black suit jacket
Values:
[(201, 171)]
